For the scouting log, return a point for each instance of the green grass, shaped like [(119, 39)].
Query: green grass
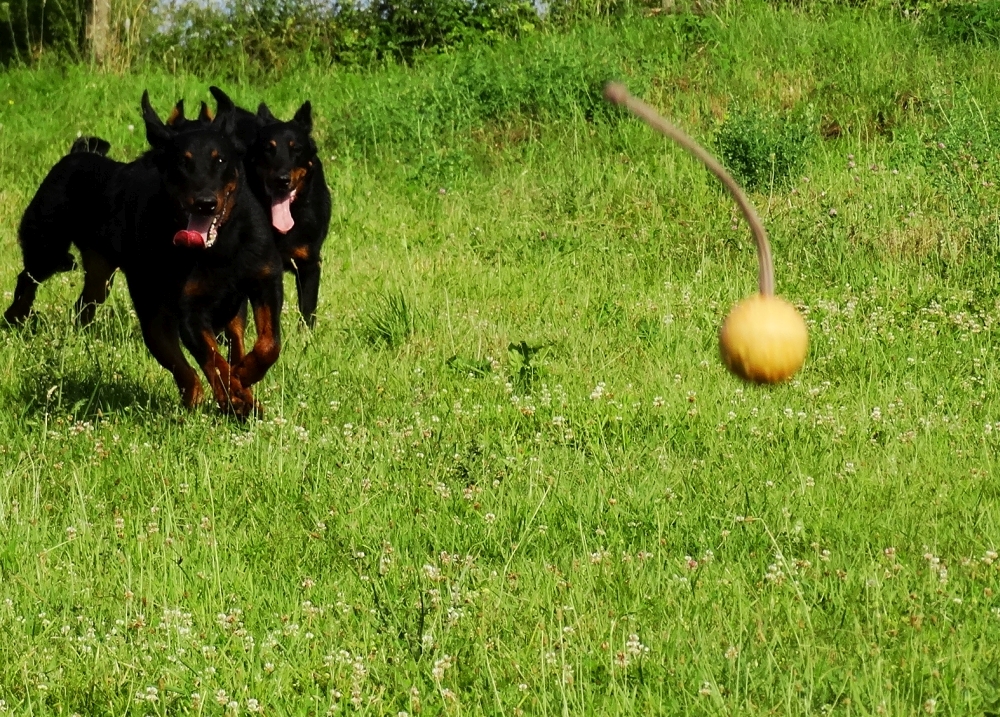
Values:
[(507, 473)]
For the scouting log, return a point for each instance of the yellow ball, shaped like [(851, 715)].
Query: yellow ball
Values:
[(764, 339)]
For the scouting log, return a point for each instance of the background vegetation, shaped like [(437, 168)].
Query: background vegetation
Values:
[(262, 37), (507, 474)]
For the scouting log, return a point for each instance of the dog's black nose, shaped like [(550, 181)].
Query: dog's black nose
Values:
[(205, 205), (283, 182)]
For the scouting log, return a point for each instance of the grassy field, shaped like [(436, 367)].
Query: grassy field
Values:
[(507, 473)]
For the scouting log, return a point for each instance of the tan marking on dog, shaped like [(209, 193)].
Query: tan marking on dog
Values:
[(265, 321), (235, 331), (225, 386), (298, 177), (227, 200), (195, 288), (265, 349)]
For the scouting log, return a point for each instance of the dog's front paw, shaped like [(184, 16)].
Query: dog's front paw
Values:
[(192, 395), (242, 404)]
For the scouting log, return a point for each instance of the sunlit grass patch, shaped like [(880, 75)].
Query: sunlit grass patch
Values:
[(507, 472)]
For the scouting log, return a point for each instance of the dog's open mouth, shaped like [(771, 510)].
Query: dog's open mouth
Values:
[(201, 232), (281, 212)]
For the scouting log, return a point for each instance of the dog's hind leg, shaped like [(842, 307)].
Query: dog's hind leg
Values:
[(24, 297), (45, 252), (37, 269), (97, 276)]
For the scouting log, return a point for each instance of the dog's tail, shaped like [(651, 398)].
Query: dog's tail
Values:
[(94, 145)]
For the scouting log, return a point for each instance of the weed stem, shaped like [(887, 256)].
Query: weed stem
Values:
[(617, 93)]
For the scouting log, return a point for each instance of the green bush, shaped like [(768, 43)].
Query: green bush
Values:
[(763, 150), (259, 35), (274, 33), (241, 37), (977, 22), (537, 84), (404, 27), (419, 110)]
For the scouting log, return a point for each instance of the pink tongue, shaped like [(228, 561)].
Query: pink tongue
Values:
[(281, 214), (196, 234)]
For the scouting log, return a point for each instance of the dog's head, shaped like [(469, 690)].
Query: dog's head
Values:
[(283, 157), (200, 163)]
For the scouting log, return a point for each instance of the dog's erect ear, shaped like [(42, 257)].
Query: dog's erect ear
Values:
[(305, 116), (176, 115), (223, 104), (205, 115), (225, 118), (264, 116), (225, 112), (157, 133)]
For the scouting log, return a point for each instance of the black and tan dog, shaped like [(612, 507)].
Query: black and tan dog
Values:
[(200, 248), (191, 239), (286, 176)]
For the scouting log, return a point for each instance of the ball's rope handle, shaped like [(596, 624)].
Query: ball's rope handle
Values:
[(616, 92)]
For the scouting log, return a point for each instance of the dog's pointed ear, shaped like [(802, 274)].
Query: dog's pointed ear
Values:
[(223, 104), (157, 133), (225, 118), (176, 114), (304, 116), (205, 115), (264, 116), (225, 111)]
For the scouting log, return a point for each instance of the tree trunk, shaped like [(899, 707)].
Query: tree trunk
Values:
[(98, 29)]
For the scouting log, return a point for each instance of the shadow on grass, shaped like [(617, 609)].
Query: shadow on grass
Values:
[(91, 380), (81, 371), (89, 394)]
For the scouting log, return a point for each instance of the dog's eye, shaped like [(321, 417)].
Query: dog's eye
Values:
[(220, 159)]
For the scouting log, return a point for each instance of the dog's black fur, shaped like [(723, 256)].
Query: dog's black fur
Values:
[(192, 241), (74, 205), (70, 207), (286, 175), (190, 293)]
